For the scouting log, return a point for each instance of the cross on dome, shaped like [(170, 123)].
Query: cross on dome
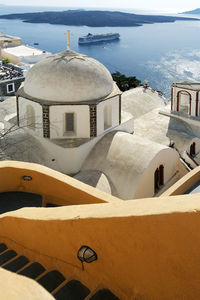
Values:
[(69, 34)]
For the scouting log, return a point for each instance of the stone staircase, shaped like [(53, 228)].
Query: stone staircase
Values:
[(52, 280)]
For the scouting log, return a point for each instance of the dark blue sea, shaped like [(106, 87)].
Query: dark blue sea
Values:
[(149, 52)]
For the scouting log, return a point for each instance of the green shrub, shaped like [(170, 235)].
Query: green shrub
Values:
[(125, 83), (6, 60)]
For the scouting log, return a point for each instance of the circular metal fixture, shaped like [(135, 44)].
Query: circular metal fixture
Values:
[(27, 178), (86, 254)]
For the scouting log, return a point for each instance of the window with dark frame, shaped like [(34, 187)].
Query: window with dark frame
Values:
[(69, 122), (10, 87)]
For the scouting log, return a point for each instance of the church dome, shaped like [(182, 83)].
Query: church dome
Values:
[(68, 77)]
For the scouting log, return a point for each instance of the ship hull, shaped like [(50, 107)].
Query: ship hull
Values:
[(99, 40)]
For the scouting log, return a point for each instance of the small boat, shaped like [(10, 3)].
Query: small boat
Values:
[(96, 38), (35, 44)]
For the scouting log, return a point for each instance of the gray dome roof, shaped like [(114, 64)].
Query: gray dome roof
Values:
[(68, 77)]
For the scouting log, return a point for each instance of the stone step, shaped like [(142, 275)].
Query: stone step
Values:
[(16, 264), (51, 280), (6, 256), (72, 290), (3, 247), (104, 294), (33, 270)]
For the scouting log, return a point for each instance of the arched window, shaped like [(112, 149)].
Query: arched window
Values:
[(30, 117), (107, 116), (193, 149), (158, 178), (184, 102)]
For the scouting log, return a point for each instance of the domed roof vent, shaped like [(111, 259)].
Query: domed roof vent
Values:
[(68, 77)]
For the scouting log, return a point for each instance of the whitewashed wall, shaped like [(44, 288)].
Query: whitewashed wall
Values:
[(169, 159), (66, 160), (81, 121), (23, 103), (193, 100), (197, 148), (114, 103)]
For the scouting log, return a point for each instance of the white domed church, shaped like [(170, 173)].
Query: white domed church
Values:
[(70, 117), (71, 100)]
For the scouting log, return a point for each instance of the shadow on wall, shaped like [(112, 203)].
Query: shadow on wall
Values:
[(180, 126), (184, 184), (15, 200), (98, 180)]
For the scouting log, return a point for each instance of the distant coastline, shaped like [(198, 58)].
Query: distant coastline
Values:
[(93, 18), (192, 12)]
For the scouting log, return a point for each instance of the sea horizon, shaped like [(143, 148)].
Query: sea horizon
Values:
[(148, 52), (26, 8)]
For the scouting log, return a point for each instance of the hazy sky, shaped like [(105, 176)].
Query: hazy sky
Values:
[(165, 5)]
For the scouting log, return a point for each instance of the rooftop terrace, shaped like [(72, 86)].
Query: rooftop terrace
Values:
[(25, 50)]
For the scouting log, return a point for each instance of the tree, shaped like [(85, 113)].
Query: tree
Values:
[(5, 61), (15, 141), (125, 83)]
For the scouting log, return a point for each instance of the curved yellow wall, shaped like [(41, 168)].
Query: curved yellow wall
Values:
[(147, 248), (54, 187)]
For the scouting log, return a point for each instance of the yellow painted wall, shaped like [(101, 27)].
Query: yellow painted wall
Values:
[(54, 187), (147, 248)]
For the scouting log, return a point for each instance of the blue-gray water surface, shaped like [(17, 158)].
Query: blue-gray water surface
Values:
[(149, 52)]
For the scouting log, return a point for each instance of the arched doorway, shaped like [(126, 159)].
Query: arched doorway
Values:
[(184, 100), (158, 178), (193, 149)]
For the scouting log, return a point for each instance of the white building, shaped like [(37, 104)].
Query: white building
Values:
[(9, 40), (185, 98), (23, 54), (68, 102), (70, 117), (176, 125)]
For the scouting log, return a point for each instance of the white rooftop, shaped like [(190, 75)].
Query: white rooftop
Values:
[(188, 84), (24, 50), (140, 101)]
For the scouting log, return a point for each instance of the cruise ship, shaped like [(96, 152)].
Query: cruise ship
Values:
[(96, 38)]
